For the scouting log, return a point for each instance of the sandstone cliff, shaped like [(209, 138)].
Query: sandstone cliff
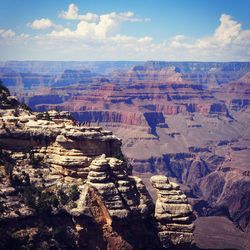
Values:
[(65, 186)]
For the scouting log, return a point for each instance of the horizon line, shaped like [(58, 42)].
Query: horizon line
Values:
[(177, 61)]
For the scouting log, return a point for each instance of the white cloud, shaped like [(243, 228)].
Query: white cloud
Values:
[(228, 30), (10, 39), (100, 39), (106, 25), (42, 24), (228, 42), (225, 35), (7, 33), (126, 16), (72, 14), (10, 35), (177, 41)]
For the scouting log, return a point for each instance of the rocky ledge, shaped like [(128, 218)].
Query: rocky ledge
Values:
[(70, 187)]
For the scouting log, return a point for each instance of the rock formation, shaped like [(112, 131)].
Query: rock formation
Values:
[(173, 213), (69, 186), (186, 120), (119, 191)]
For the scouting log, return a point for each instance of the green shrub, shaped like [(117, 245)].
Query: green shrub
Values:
[(43, 205), (74, 193), (29, 194), (42, 202), (35, 161), (8, 167), (63, 197), (21, 180), (49, 198)]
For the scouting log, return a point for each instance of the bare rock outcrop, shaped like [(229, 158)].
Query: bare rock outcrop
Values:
[(173, 213), (123, 195), (65, 186)]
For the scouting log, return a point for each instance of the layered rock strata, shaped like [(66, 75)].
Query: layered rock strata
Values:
[(69, 187), (122, 194), (173, 214)]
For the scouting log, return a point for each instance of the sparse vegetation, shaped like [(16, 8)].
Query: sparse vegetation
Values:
[(22, 179), (74, 193), (68, 197), (46, 202), (29, 194), (63, 197), (8, 167), (35, 161), (42, 201)]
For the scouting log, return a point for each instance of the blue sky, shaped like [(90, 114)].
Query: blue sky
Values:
[(204, 30)]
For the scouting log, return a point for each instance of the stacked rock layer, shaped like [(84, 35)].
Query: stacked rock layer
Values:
[(173, 213), (51, 168), (122, 194)]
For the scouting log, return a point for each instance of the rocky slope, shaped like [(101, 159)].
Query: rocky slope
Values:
[(69, 187)]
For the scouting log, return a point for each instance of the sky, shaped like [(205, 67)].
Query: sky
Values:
[(101, 30)]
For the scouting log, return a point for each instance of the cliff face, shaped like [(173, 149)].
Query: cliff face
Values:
[(186, 120), (65, 186), (70, 77)]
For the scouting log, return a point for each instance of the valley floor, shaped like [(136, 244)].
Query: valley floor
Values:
[(217, 232)]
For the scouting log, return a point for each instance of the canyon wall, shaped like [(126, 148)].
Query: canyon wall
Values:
[(186, 120), (68, 186)]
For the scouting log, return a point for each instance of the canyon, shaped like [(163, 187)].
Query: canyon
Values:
[(70, 187), (185, 120)]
